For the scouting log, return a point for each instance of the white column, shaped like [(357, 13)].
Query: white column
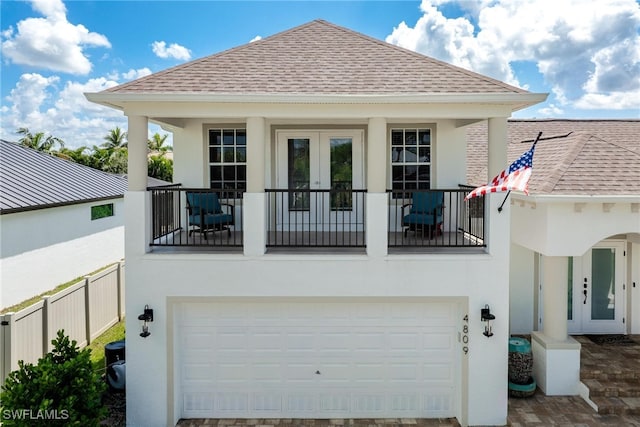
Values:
[(377, 155), (137, 136), (497, 224), (555, 271), (377, 212), (497, 144), (556, 355), (253, 207), (137, 215), (255, 154)]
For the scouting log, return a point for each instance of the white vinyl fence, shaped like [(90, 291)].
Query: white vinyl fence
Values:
[(84, 310)]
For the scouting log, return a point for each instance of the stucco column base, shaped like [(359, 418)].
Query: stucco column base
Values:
[(377, 223), (556, 364), (254, 224)]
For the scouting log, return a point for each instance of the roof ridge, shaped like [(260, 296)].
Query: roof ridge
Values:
[(570, 156)]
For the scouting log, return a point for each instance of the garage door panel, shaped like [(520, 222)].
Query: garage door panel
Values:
[(438, 372), (335, 360)]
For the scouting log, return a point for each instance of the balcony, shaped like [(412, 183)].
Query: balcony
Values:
[(172, 223), (308, 219), (305, 218), (456, 223)]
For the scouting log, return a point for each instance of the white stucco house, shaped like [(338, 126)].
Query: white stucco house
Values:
[(575, 251), (309, 292), (58, 220)]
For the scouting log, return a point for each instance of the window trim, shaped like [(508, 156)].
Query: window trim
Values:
[(404, 127), (208, 164)]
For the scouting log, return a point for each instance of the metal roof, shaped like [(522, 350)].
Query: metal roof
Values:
[(31, 179)]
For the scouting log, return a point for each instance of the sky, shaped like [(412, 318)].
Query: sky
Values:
[(584, 53)]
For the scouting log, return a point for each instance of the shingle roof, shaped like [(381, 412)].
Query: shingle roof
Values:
[(590, 157), (316, 58), (30, 180)]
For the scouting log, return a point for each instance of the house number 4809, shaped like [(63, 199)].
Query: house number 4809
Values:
[(465, 334)]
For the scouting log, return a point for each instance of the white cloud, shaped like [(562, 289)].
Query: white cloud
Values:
[(551, 110), (136, 74), (174, 50), (589, 52), (52, 42), (37, 103), (255, 39)]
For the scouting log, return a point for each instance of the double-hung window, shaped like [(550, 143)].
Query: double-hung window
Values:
[(410, 159), (228, 161)]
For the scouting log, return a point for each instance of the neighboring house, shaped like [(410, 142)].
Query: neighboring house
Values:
[(575, 254), (58, 220), (318, 301)]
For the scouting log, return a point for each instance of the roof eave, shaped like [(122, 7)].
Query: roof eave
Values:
[(516, 100), (578, 198)]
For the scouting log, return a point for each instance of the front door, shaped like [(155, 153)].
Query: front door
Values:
[(319, 169), (597, 299)]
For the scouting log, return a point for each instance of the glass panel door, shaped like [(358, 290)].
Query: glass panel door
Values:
[(341, 171), (298, 171), (319, 169), (603, 278), (601, 289)]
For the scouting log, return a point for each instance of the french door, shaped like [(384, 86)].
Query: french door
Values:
[(596, 297), (320, 169)]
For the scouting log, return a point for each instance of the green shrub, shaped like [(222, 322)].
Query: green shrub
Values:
[(61, 390)]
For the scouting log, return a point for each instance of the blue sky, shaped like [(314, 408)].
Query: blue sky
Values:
[(585, 54)]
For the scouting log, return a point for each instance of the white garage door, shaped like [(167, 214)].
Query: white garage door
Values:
[(317, 359)]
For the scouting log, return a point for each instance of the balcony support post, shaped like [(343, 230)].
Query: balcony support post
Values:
[(137, 157), (254, 209), (558, 372), (137, 214), (377, 208)]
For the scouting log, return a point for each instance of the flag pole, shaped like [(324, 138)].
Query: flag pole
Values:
[(509, 192), (505, 199)]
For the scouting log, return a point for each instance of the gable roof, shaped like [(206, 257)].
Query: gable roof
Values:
[(317, 58), (31, 179), (588, 157)]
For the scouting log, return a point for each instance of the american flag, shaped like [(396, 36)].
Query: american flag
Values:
[(515, 177)]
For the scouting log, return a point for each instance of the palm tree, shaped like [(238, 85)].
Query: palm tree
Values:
[(156, 143), (38, 141), (116, 139), (76, 155)]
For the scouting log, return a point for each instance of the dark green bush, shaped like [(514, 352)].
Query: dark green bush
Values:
[(60, 390)]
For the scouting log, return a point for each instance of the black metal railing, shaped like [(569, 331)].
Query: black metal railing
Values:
[(315, 218), (195, 216), (166, 213), (435, 218)]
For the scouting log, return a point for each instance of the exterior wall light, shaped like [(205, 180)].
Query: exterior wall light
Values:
[(146, 317), (486, 316)]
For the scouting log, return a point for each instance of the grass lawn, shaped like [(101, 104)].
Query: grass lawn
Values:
[(115, 333)]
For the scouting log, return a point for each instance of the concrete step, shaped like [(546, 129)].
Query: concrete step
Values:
[(617, 405), (613, 388), (610, 374)]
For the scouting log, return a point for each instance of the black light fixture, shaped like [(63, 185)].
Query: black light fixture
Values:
[(486, 316), (146, 317)]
